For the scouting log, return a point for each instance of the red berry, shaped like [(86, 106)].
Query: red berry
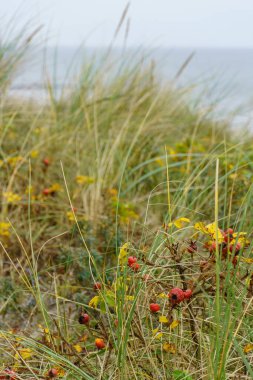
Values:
[(225, 250), (135, 267), (8, 374), (131, 260), (84, 319), (187, 294), (235, 248), (234, 261), (46, 191), (192, 247), (97, 286), (46, 162), (212, 247), (53, 372), (228, 235), (176, 296), (100, 344), (154, 307)]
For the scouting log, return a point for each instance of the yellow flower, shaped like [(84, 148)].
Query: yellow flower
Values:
[(12, 161), (159, 161), (11, 197), (70, 216), (248, 260), (29, 190), (157, 334), (130, 298), (78, 348), (84, 179), (174, 324), (248, 348), (209, 229), (24, 353), (123, 253), (94, 302), (162, 295), (163, 319), (34, 153), (240, 237), (113, 192), (179, 223), (55, 187), (4, 229), (169, 347)]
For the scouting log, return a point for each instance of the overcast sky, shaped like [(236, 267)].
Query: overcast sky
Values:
[(169, 23)]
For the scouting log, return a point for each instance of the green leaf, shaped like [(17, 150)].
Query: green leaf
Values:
[(180, 375)]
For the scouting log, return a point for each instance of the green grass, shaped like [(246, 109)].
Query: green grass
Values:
[(110, 163)]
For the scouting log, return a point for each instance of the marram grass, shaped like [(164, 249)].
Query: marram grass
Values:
[(125, 233)]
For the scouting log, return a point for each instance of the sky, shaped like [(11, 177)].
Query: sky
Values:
[(162, 23)]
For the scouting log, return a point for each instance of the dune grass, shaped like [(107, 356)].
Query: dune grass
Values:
[(108, 170)]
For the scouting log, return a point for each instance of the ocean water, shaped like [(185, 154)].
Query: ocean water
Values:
[(220, 77)]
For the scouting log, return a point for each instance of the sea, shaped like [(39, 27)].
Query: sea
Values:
[(220, 80)]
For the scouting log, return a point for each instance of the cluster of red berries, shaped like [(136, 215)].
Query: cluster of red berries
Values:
[(8, 374), (176, 295), (133, 264)]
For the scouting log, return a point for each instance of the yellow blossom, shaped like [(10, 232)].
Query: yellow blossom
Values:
[(209, 229), (78, 348), (157, 334), (179, 223), (240, 237), (159, 161), (24, 353), (162, 295), (70, 216), (130, 298), (248, 260), (55, 187), (94, 302), (163, 319), (113, 192), (11, 197), (29, 190), (84, 179), (169, 347), (174, 324), (248, 348), (4, 229), (12, 161), (123, 253), (34, 153)]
